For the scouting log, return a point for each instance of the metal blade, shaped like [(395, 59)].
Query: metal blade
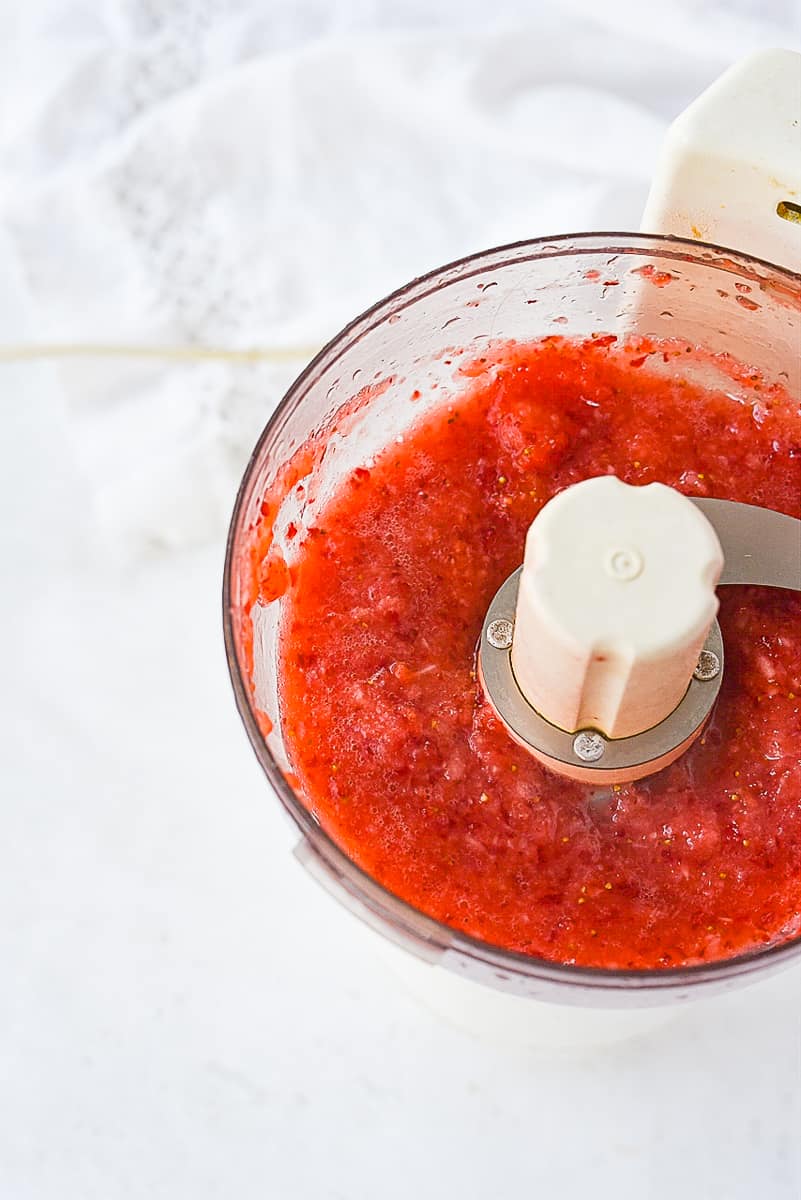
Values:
[(759, 545)]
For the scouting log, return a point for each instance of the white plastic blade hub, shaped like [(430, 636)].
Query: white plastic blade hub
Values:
[(617, 595)]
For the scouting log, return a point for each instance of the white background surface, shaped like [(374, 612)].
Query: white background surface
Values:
[(183, 1013)]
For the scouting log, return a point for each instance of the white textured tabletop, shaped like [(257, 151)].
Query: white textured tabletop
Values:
[(184, 1013)]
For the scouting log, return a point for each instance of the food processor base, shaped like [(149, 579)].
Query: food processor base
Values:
[(501, 1017)]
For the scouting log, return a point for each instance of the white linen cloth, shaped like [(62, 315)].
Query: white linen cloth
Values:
[(198, 175)]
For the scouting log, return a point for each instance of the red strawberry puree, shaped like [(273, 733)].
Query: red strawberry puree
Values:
[(395, 747)]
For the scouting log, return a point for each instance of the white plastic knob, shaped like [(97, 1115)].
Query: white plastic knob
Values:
[(616, 598)]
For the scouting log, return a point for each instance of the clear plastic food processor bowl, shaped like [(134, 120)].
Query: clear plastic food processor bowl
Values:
[(576, 286)]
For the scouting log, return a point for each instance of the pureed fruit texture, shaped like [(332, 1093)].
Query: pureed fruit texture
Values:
[(394, 745)]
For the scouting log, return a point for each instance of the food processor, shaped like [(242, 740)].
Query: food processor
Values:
[(717, 265)]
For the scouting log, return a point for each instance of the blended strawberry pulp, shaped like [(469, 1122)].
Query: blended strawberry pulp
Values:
[(395, 747)]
